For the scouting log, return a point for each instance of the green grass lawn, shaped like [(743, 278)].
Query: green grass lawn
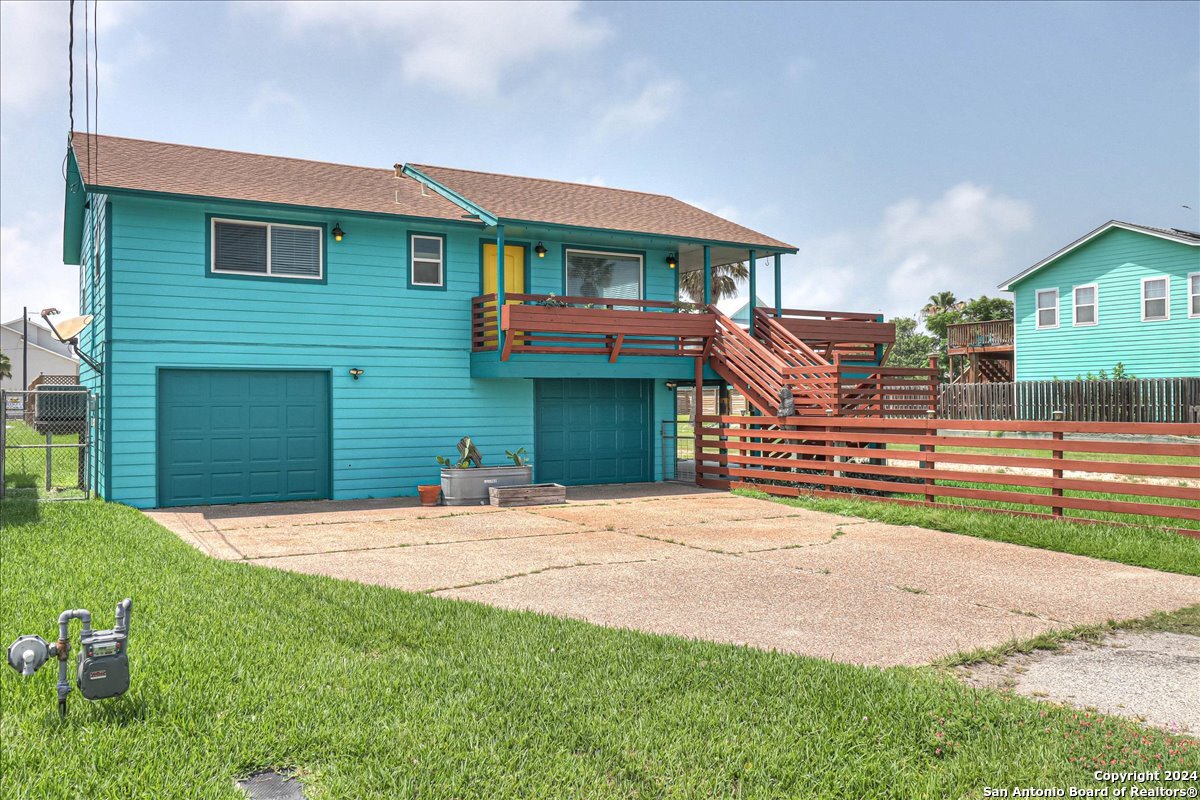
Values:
[(1141, 546), (1135, 458), (370, 692)]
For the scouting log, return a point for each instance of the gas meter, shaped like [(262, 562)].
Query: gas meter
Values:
[(102, 666)]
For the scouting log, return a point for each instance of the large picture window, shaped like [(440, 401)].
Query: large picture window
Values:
[(600, 274), (266, 249)]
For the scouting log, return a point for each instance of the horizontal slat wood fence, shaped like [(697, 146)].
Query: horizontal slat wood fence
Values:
[(1140, 400), (917, 462)]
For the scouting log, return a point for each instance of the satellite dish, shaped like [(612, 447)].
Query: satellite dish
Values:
[(68, 329)]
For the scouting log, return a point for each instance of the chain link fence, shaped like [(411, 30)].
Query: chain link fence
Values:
[(46, 444)]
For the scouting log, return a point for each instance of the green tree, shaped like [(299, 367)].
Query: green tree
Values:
[(725, 280), (5, 366), (912, 348), (986, 309), (941, 303)]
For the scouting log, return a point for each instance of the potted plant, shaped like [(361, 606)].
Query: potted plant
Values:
[(465, 480), (430, 493)]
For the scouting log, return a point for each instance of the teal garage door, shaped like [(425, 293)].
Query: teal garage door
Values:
[(592, 431), (242, 436)]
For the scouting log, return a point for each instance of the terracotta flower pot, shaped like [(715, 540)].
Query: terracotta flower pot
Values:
[(430, 494)]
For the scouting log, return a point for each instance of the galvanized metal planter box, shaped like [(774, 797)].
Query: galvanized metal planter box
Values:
[(537, 494), (469, 487)]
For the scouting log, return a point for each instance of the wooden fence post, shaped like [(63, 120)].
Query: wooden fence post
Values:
[(1057, 455), (929, 466), (933, 384)]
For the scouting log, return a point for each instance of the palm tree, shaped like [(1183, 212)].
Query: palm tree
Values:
[(940, 303), (5, 366), (725, 280)]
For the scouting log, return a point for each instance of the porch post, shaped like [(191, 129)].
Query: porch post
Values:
[(499, 288), (707, 275), (778, 284), (753, 287), (697, 412)]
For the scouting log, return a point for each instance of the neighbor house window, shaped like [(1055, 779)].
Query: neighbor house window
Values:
[(1194, 294), (428, 260), (600, 274), (1047, 308), (1156, 293), (1085, 305), (268, 249)]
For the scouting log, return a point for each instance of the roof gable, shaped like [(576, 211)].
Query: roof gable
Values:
[(1171, 234)]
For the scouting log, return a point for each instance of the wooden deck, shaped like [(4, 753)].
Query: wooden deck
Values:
[(602, 326), (980, 337)]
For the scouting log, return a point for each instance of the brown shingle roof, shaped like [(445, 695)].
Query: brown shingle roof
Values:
[(561, 203), (205, 172)]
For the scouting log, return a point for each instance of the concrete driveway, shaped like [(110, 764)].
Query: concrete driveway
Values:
[(678, 560)]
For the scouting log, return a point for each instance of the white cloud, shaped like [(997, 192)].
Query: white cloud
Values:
[(465, 48), (958, 241), (655, 103), (31, 269), (270, 99), (33, 51)]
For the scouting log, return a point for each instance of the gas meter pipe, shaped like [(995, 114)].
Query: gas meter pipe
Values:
[(62, 648)]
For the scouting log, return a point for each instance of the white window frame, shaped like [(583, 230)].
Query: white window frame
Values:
[(412, 260), (212, 246), (1166, 298), (1095, 304), (1192, 276), (1037, 309), (641, 267)]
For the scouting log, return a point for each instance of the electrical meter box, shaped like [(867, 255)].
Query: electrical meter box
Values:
[(103, 665)]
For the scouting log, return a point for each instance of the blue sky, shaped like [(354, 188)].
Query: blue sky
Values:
[(904, 148)]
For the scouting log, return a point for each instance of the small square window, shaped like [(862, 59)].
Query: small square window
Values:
[(1156, 293), (1047, 308)]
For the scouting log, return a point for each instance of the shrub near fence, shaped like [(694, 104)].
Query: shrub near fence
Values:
[(1140, 400), (913, 462)]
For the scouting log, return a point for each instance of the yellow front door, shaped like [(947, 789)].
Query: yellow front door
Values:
[(514, 279)]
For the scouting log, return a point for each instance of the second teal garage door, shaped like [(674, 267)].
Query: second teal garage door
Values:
[(242, 436), (592, 431)]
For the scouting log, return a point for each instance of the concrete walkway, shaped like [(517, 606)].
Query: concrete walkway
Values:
[(679, 560)]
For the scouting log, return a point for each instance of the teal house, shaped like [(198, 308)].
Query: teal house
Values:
[(1123, 293), (269, 328)]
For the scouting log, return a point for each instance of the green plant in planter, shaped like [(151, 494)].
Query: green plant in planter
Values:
[(552, 301), (468, 456), (517, 457)]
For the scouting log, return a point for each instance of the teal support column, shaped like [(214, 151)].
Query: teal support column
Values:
[(753, 288), (707, 274), (778, 284), (499, 287)]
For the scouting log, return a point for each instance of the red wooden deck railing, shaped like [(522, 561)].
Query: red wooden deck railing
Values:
[(915, 462), (571, 325), (848, 334)]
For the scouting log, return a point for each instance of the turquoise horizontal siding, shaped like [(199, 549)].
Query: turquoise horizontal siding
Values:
[(1116, 262), (417, 396), (93, 277)]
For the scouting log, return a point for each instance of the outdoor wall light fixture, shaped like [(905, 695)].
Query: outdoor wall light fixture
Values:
[(355, 372), (338, 233), (672, 261), (540, 250)]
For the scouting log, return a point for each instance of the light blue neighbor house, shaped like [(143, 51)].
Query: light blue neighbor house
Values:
[(1123, 293), (275, 329)]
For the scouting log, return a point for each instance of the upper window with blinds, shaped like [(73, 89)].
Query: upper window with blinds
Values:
[(267, 249), (599, 274)]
